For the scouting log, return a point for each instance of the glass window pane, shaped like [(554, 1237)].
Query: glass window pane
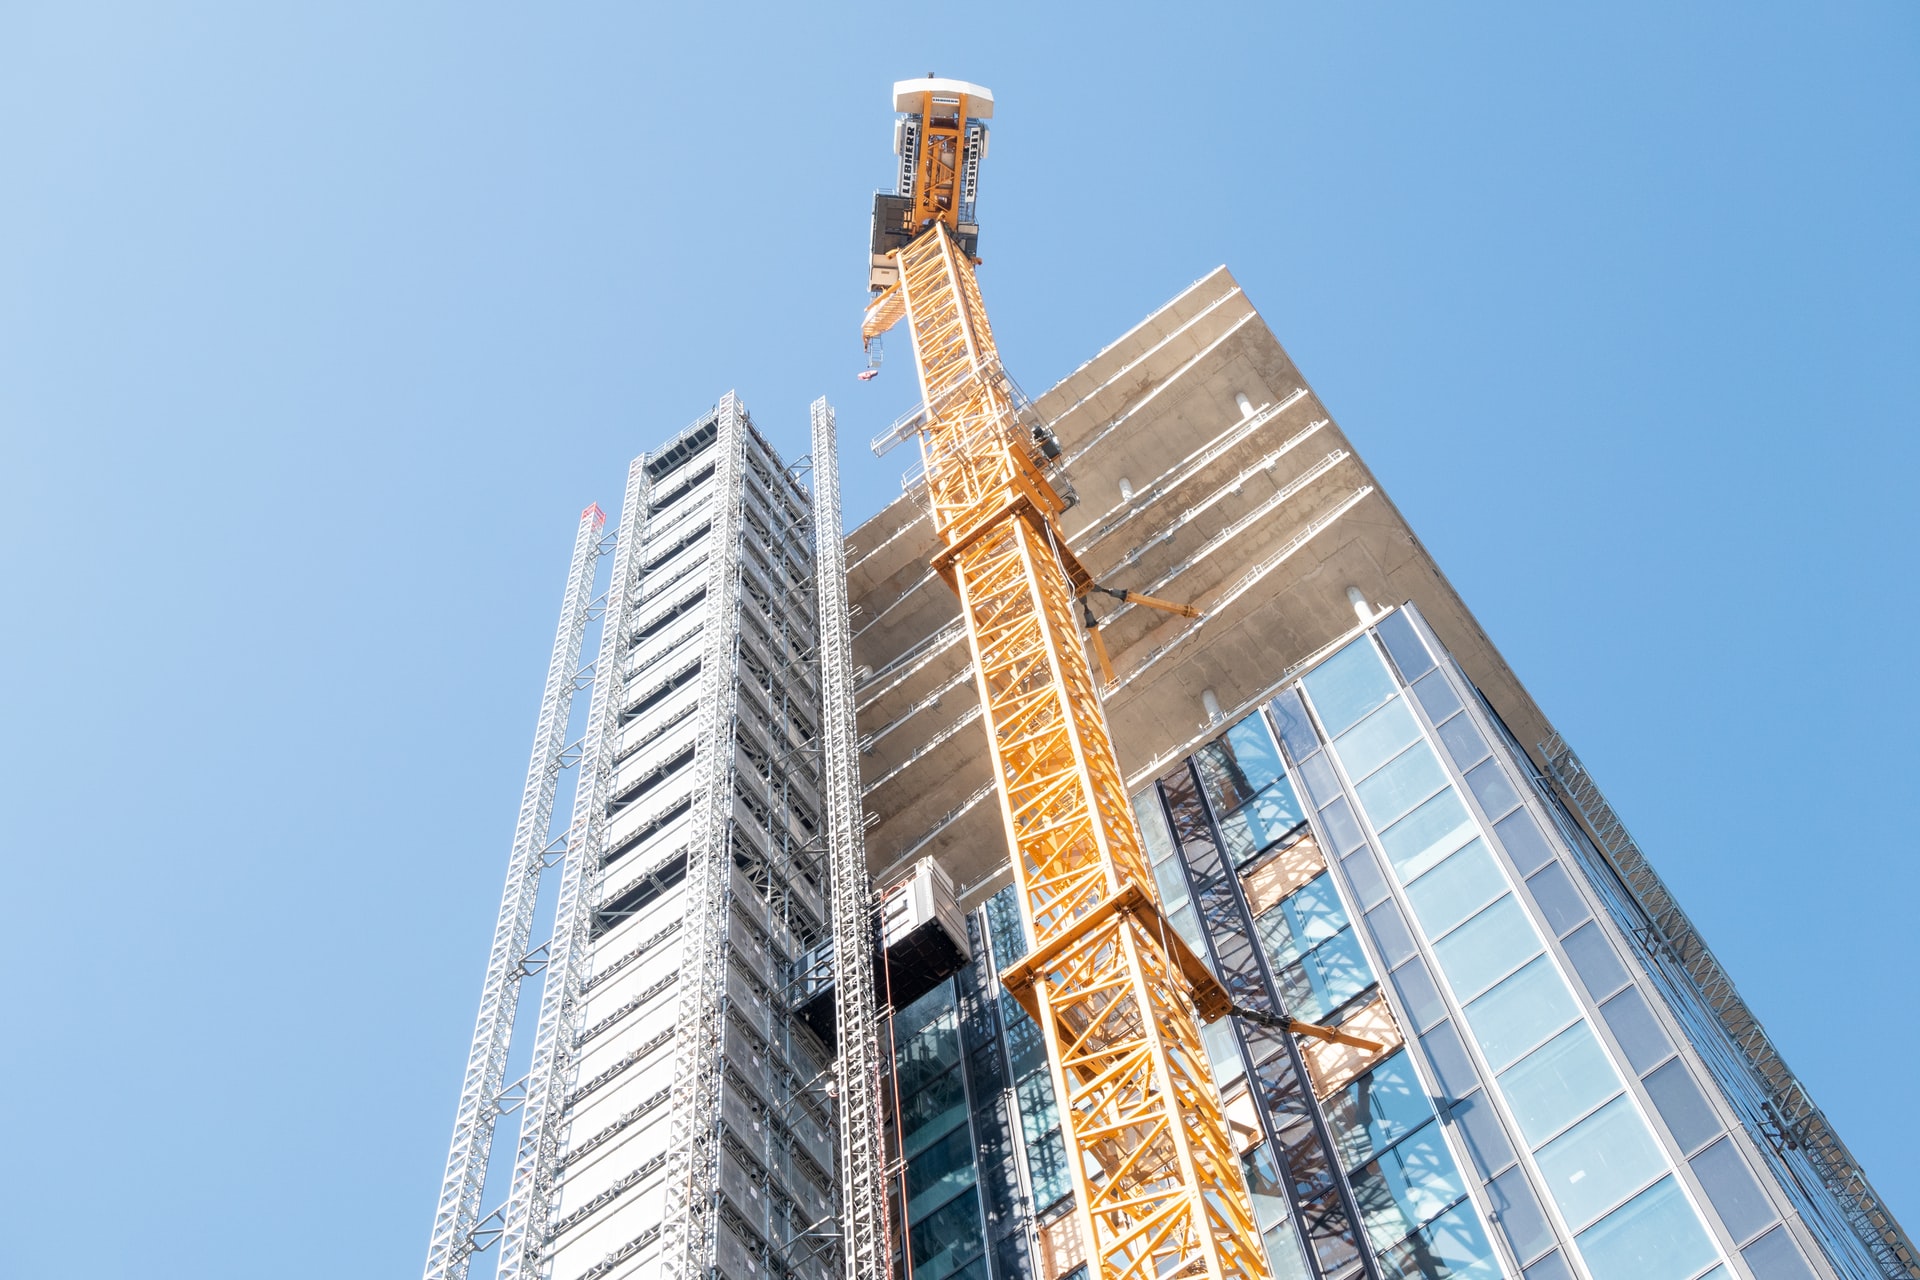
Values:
[(1327, 978), (1597, 1163), (1520, 837), (1172, 882), (1348, 685), (1390, 931), (1377, 1110), (948, 1238), (1594, 960), (1450, 1061), (1456, 889), (1404, 646), (1680, 1103), (1552, 1267), (1342, 828), (1487, 948), (1411, 777), (1492, 788), (1047, 1167), (1363, 872), (1635, 1027), (940, 1171), (1519, 1214), (1410, 1185), (1520, 1013), (1272, 814), (1774, 1256), (1451, 1247), (1559, 1082), (1559, 901), (1486, 1138), (1153, 824), (1256, 751), (1428, 834), (1655, 1236), (1436, 696), (1187, 926), (1005, 932), (1303, 920), (1377, 739), (1270, 1200), (1290, 716), (1730, 1186), (1284, 1252), (1317, 773), (1418, 993), (1463, 741), (1223, 1050)]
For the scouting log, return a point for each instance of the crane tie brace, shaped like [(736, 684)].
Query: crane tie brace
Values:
[(1113, 988)]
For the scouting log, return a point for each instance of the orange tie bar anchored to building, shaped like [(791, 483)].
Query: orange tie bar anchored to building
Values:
[(1117, 995)]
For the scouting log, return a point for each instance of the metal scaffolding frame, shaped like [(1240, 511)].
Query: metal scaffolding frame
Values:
[(688, 1236), (484, 1095), (529, 1199), (865, 1245)]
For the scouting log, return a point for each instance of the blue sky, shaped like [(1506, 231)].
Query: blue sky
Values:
[(317, 329)]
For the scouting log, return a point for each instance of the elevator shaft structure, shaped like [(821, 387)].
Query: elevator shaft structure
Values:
[(1159, 1186)]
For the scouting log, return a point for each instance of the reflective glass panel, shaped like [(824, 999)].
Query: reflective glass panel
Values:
[(948, 1238), (1487, 948), (1332, 974), (1295, 730), (1390, 931), (1428, 834), (1559, 1082), (1377, 1110), (1317, 773), (1153, 825), (1409, 1185), (1682, 1106), (1551, 1267), (1342, 828), (1655, 1236), (1450, 1060), (1635, 1027), (1399, 785), (941, 1170), (1284, 1252), (1520, 836), (1557, 899), (1363, 870), (1273, 813), (1451, 1247), (1404, 645), (1436, 696), (1455, 889), (1492, 788), (1594, 960), (1487, 1144), (1521, 1013), (1047, 1165), (1730, 1186), (1597, 1163), (1302, 920), (1005, 932), (1348, 685), (1172, 882), (1519, 1214), (1463, 741), (1377, 739), (1270, 1199), (1419, 994), (1774, 1256)]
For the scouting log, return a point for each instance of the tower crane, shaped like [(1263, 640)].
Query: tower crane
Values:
[(1118, 996)]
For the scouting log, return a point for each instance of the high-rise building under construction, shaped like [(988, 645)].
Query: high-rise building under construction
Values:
[(1354, 814)]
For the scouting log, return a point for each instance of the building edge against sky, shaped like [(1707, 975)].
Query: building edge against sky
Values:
[(1356, 814)]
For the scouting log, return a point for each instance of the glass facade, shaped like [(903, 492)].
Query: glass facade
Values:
[(1369, 850)]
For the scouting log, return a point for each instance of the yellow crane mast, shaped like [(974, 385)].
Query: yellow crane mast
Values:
[(1117, 995)]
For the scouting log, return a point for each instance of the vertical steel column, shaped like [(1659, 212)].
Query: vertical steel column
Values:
[(458, 1210), (688, 1238), (529, 1201), (864, 1238)]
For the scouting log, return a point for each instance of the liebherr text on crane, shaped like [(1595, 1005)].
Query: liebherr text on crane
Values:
[(1118, 996)]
